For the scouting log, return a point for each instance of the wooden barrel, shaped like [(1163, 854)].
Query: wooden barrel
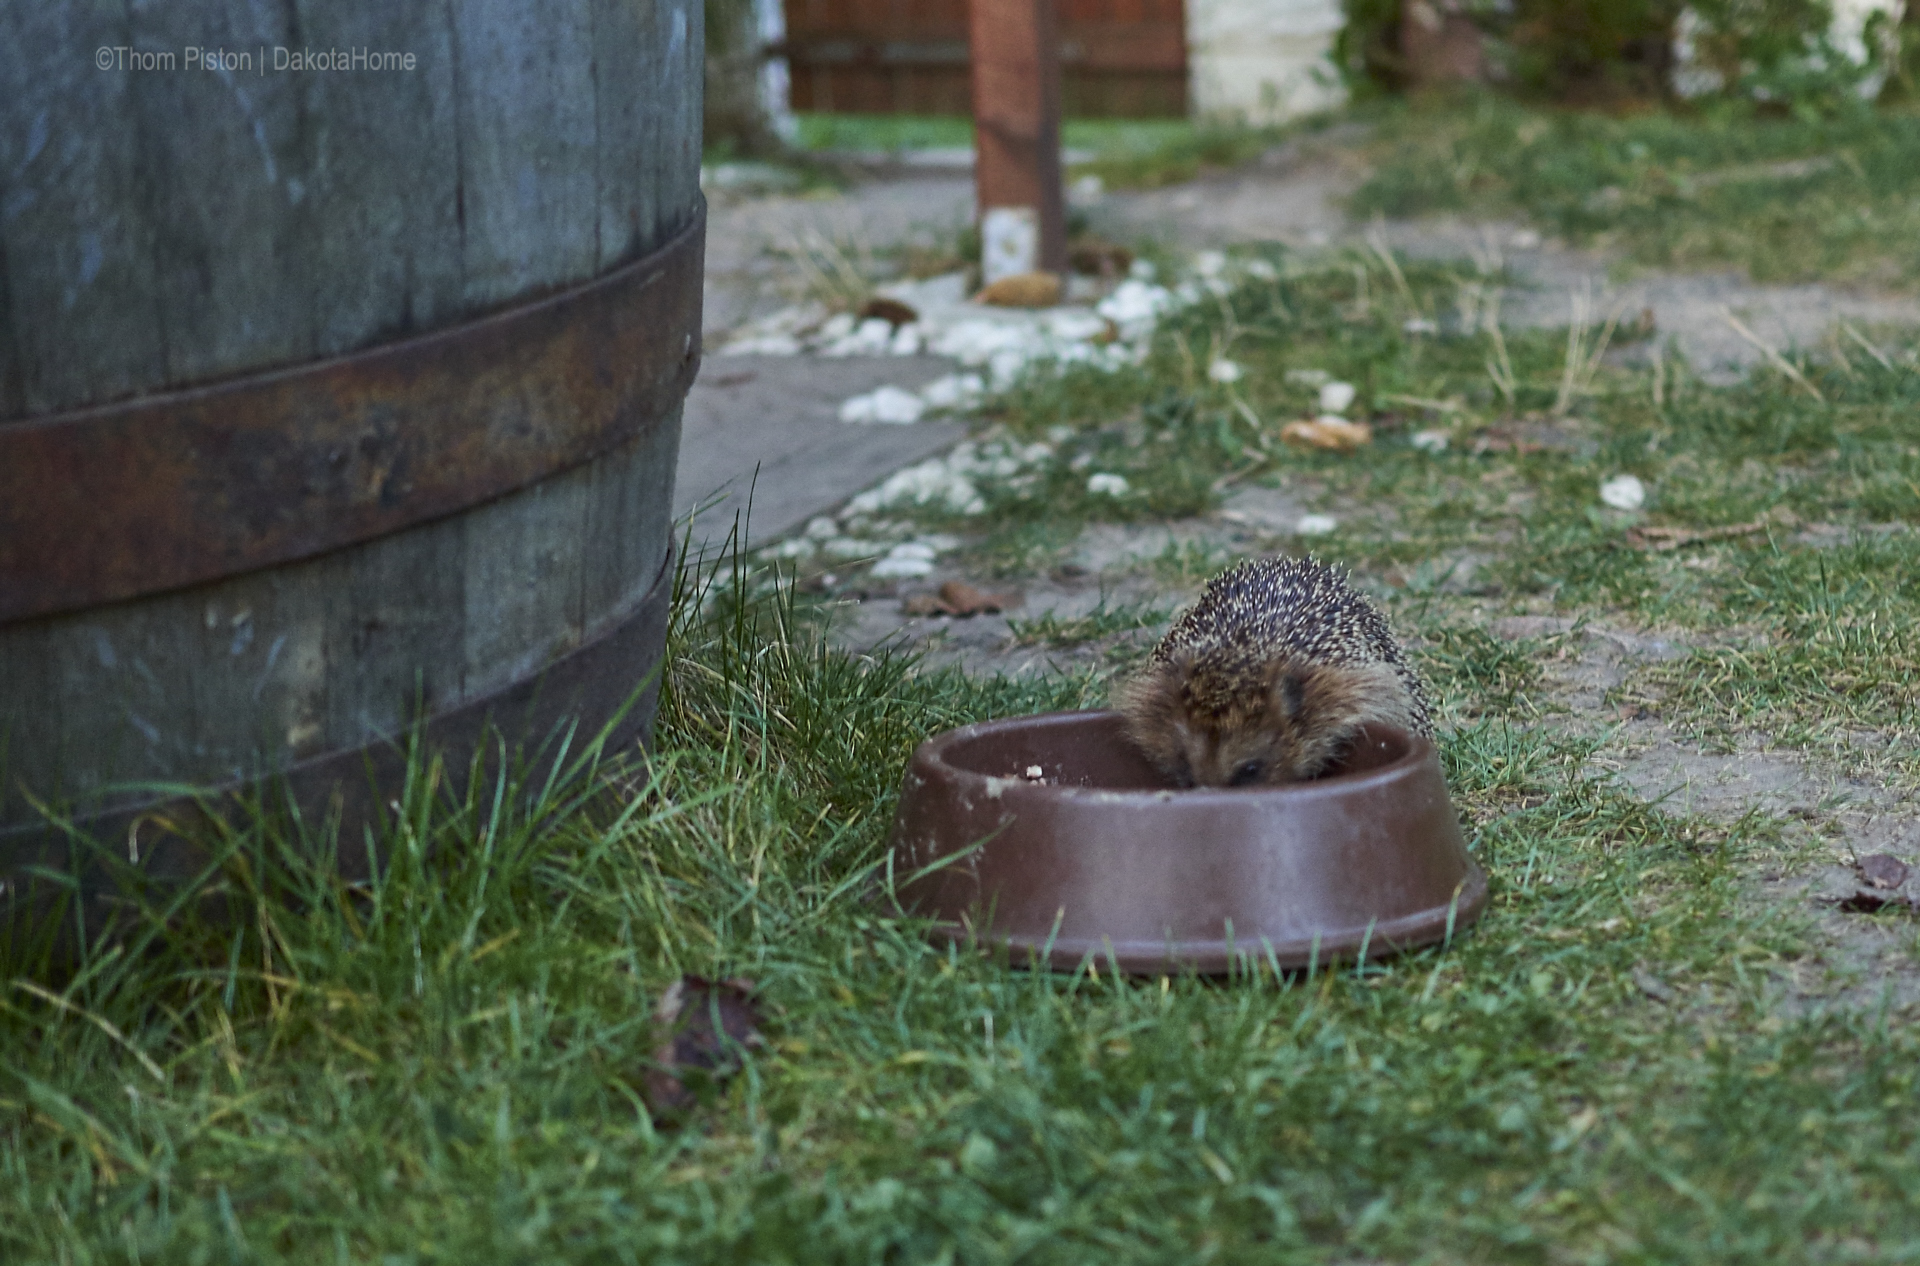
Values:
[(342, 350)]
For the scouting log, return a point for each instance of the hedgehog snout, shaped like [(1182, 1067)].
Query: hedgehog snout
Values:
[(1257, 751)]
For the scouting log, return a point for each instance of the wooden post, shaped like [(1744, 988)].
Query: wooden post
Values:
[(1016, 119)]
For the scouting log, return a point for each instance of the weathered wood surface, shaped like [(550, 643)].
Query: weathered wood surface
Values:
[(160, 227), (227, 681), (166, 226)]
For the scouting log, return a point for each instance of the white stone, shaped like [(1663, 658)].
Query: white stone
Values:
[(1624, 492), (1224, 371), (1316, 524), (1431, 441), (906, 340), (953, 391), (1086, 191), (1336, 396), (902, 568), (1111, 485), (822, 528), (871, 337), (1073, 324), (887, 404), (1210, 263), (976, 341), (1419, 325), (764, 345), (1135, 306), (852, 547)]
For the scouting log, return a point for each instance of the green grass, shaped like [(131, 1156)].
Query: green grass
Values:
[(1127, 153), (1615, 1066), (1787, 199), (443, 1066), (1102, 622)]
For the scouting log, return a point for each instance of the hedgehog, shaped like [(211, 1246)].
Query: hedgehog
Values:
[(1268, 678)]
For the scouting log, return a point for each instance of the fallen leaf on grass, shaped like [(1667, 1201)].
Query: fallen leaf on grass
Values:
[(703, 1026), (1882, 870), (1499, 439), (959, 600), (1660, 539), (1334, 435), (892, 311), (1022, 290)]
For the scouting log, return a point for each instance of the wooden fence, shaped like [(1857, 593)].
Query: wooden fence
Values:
[(1122, 58)]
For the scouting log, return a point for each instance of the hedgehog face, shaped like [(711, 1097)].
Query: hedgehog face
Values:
[(1284, 721)]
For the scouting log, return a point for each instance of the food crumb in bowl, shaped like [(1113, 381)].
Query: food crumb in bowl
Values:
[(1035, 772)]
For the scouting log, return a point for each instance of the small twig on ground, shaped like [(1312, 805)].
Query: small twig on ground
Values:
[(1377, 240), (1233, 477), (1499, 366), (1840, 356), (1661, 539), (1576, 376), (1189, 372), (1872, 351), (1488, 258), (1766, 349)]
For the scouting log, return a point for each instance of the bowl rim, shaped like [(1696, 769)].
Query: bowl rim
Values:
[(932, 753)]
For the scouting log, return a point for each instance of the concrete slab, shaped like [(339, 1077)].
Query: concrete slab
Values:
[(780, 416)]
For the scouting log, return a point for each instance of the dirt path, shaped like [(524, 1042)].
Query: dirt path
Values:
[(777, 415)]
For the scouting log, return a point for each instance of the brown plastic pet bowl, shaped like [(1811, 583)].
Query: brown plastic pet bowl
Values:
[(1103, 856)]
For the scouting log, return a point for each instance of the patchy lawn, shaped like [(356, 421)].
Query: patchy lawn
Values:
[(1788, 199), (1670, 729)]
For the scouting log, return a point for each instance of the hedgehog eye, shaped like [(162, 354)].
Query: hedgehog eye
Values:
[(1248, 771)]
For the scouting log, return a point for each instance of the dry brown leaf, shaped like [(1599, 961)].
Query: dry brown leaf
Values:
[(1022, 290), (1335, 435), (1500, 439), (963, 599), (892, 311), (959, 600), (702, 1026)]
